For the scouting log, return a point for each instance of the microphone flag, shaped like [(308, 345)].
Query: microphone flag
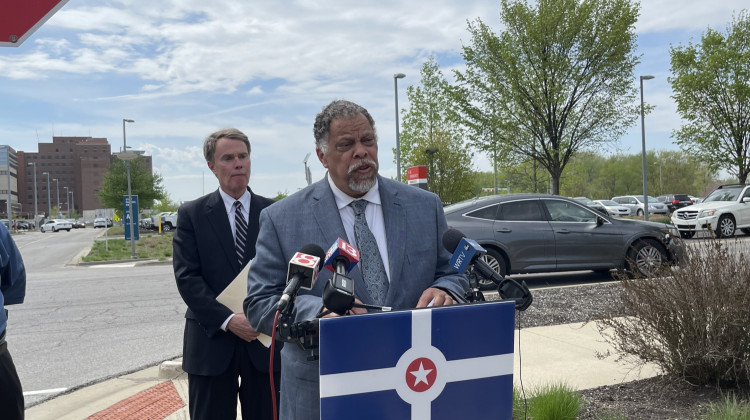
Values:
[(433, 363), (341, 250), (465, 253)]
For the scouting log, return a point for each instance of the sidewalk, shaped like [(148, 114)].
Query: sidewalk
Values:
[(559, 353)]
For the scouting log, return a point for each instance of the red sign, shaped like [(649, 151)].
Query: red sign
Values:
[(417, 173), (21, 18)]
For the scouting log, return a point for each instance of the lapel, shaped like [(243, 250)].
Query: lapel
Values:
[(253, 226), (326, 213), (217, 217), (394, 218)]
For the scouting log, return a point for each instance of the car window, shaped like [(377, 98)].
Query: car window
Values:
[(524, 210), (724, 194), (484, 213), (563, 211)]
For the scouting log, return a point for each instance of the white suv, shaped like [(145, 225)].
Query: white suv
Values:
[(724, 211)]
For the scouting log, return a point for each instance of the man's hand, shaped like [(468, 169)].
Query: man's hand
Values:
[(240, 327), (436, 296), (353, 311)]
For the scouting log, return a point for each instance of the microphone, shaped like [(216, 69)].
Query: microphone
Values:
[(341, 257), (468, 252), (302, 273)]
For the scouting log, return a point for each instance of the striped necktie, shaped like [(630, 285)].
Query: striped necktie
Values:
[(240, 232)]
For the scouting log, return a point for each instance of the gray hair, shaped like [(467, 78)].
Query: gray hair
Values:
[(332, 111), (209, 144)]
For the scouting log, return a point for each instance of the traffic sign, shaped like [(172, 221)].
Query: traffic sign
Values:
[(126, 217), (20, 19)]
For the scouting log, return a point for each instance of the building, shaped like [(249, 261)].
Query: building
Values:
[(8, 181), (67, 172)]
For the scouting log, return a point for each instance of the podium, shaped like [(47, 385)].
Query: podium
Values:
[(448, 362)]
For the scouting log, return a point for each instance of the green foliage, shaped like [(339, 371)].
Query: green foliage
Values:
[(693, 320), (711, 84), (730, 409), (148, 246), (114, 186), (281, 195), (555, 402), (558, 80), (164, 204), (429, 123)]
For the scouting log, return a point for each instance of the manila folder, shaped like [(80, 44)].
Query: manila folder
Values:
[(233, 296)]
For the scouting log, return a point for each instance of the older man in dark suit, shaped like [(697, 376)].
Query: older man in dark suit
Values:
[(214, 240), (396, 227)]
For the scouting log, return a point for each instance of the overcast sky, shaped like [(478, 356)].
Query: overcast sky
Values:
[(184, 68)]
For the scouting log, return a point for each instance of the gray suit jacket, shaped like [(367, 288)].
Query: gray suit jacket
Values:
[(414, 223)]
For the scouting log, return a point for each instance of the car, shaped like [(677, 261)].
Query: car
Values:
[(635, 204), (535, 233), (695, 199), (675, 201), (591, 203), (101, 222), (169, 222), (55, 225), (23, 224), (78, 224), (723, 211), (614, 209)]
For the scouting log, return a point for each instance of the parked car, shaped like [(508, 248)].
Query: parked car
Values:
[(169, 222), (23, 224), (78, 224), (675, 201), (101, 222), (724, 211), (55, 225), (614, 209), (591, 203), (635, 204), (695, 199), (531, 233)]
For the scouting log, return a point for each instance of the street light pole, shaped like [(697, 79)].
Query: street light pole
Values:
[(57, 181), (398, 143), (130, 197), (36, 211), (73, 199), (643, 145), (49, 201), (67, 202)]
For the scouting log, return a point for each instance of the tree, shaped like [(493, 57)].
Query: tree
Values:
[(558, 80), (147, 187), (428, 123), (711, 84)]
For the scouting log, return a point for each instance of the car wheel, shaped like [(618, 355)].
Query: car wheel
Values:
[(726, 226), (646, 258), (639, 212), (167, 227), (497, 263), (687, 235), (53, 229)]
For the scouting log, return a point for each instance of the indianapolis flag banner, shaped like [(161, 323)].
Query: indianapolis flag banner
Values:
[(448, 362)]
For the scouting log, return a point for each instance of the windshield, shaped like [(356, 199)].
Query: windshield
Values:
[(725, 194)]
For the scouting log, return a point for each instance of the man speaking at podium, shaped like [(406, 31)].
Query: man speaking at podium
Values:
[(397, 229)]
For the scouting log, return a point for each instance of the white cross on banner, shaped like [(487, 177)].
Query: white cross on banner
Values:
[(436, 363)]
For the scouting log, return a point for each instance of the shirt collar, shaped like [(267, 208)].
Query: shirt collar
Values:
[(343, 199), (229, 200)]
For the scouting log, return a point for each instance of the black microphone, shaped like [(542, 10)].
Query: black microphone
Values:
[(468, 252), (302, 273)]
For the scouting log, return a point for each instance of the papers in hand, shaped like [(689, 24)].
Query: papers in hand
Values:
[(234, 294)]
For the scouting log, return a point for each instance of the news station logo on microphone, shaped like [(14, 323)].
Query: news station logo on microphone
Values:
[(305, 264), (465, 252), (430, 363), (341, 251)]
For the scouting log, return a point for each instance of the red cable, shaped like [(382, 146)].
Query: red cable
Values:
[(270, 366)]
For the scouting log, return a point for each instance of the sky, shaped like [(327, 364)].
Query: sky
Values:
[(182, 69)]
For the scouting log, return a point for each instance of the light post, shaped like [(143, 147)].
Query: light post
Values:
[(431, 150), (58, 196), (661, 187), (398, 144), (73, 199), (49, 201), (130, 198), (643, 145), (36, 211), (67, 202)]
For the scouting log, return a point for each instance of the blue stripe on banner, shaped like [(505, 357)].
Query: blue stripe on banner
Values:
[(371, 406), (470, 400), (361, 335), (463, 332)]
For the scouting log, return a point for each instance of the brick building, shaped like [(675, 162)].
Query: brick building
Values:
[(77, 163)]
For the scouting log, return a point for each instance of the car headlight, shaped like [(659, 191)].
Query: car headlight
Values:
[(707, 213)]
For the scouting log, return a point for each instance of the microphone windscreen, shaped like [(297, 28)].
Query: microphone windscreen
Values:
[(451, 239), (315, 251)]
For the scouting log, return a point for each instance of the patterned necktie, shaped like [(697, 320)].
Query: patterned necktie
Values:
[(240, 232), (371, 263)]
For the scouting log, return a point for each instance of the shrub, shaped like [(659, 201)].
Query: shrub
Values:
[(553, 402), (693, 321), (730, 409)]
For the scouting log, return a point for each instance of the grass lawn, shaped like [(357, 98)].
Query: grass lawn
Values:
[(149, 246)]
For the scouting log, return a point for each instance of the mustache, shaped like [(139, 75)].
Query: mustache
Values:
[(361, 163)]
